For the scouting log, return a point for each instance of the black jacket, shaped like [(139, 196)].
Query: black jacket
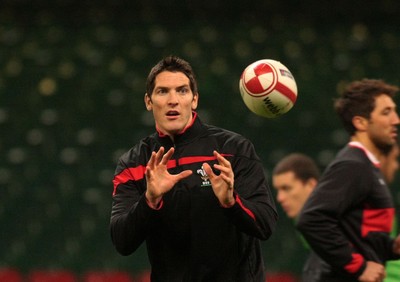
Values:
[(349, 215), (191, 237)]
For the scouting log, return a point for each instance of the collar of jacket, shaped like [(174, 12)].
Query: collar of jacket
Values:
[(189, 134)]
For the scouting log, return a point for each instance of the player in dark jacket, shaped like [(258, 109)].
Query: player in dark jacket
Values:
[(196, 194), (348, 217)]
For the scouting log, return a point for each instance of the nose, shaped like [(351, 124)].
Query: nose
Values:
[(280, 197), (396, 120), (173, 97)]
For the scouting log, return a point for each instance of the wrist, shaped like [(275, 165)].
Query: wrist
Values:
[(229, 203), (153, 202)]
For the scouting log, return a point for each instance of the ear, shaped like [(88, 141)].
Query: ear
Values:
[(195, 101), (312, 183), (360, 123), (148, 103)]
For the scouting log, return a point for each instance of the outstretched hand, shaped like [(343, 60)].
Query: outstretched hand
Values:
[(159, 180), (223, 183)]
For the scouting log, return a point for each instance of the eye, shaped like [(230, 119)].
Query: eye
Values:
[(161, 91), (183, 90)]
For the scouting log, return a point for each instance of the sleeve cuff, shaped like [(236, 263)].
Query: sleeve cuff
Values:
[(155, 207)]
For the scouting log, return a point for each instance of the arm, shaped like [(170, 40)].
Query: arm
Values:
[(341, 188), (129, 216), (245, 195), (134, 206)]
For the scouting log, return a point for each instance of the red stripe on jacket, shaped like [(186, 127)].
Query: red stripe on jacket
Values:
[(132, 173), (249, 212), (354, 265), (137, 173), (380, 220)]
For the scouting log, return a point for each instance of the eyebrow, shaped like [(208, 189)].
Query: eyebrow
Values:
[(389, 108), (167, 88)]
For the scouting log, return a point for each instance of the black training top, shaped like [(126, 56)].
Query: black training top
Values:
[(191, 237), (348, 217)]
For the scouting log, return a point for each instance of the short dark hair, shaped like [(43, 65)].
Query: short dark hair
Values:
[(172, 64), (358, 99), (300, 164)]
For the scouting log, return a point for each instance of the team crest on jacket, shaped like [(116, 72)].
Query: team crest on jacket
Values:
[(204, 177)]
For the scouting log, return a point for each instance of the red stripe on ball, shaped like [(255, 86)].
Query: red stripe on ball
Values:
[(286, 92)]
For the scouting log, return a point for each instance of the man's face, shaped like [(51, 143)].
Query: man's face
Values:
[(292, 192), (383, 122), (390, 164), (172, 102)]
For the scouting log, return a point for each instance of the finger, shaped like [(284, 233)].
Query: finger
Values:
[(228, 181), (223, 169), (159, 155), (152, 159), (221, 159), (167, 156), (208, 170), (148, 171), (183, 174)]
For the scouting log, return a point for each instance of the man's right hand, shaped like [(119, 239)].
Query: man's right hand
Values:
[(159, 180), (374, 272)]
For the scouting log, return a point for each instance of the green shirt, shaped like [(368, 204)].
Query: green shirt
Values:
[(393, 266)]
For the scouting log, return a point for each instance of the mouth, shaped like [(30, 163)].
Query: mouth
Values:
[(285, 208), (172, 114)]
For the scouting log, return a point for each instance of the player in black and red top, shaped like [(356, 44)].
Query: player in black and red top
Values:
[(348, 217), (195, 193)]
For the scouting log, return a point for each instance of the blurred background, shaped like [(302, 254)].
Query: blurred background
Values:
[(72, 80)]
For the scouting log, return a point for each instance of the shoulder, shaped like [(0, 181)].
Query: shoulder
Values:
[(230, 141), (227, 136), (220, 132), (139, 153), (350, 166), (352, 156)]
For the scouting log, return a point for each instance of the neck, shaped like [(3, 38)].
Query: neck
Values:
[(173, 135), (368, 144)]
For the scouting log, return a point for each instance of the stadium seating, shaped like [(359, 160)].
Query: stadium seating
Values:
[(51, 276), (10, 275), (281, 277), (72, 79), (143, 276), (107, 276)]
